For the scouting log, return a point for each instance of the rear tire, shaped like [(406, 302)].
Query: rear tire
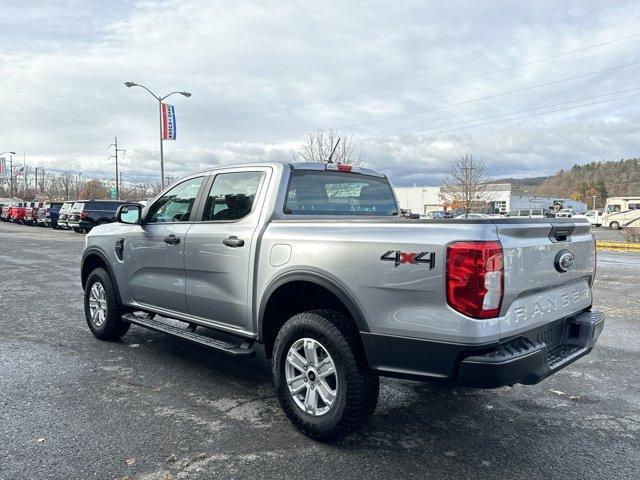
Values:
[(77, 230), (352, 390), (101, 307), (614, 226)]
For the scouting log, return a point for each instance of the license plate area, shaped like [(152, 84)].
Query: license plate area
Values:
[(552, 334)]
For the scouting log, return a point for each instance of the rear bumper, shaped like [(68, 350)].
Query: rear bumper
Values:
[(79, 224), (527, 359)]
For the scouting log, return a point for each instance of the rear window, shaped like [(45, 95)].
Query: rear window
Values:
[(317, 192), (103, 206)]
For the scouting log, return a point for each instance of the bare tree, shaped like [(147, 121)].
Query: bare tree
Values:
[(66, 184), (465, 186), (156, 188), (320, 146), (94, 189)]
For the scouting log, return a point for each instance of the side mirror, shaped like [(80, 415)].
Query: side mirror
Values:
[(129, 214)]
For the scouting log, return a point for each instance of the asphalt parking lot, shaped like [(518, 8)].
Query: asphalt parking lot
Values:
[(155, 407), (608, 235)]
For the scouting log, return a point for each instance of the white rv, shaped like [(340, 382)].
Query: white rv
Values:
[(620, 212)]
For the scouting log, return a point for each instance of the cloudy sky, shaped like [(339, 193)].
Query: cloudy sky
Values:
[(530, 87)]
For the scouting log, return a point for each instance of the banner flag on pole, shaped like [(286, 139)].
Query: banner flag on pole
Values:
[(168, 122), (3, 167)]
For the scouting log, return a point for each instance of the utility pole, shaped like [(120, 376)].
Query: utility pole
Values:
[(24, 171), (78, 184), (11, 175), (594, 202), (118, 181)]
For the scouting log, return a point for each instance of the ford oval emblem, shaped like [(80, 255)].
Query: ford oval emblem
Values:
[(564, 261)]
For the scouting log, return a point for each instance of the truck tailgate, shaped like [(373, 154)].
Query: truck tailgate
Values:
[(537, 289)]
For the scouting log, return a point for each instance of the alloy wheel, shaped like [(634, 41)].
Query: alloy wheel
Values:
[(98, 304), (311, 377)]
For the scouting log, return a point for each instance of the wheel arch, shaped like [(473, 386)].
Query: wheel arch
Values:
[(299, 291), (95, 258)]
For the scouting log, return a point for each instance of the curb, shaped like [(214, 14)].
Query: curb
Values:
[(618, 246)]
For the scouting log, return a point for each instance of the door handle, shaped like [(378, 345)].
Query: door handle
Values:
[(172, 239), (233, 241)]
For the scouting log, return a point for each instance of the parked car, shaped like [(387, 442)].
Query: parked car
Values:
[(527, 213), (17, 212), (314, 261), (48, 214), (436, 215), (472, 216), (566, 213), (593, 216), (86, 214), (63, 214), (5, 216), (31, 213)]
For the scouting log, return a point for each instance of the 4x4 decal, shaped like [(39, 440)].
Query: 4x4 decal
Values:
[(399, 257)]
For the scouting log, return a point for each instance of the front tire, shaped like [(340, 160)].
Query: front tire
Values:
[(101, 307), (323, 383)]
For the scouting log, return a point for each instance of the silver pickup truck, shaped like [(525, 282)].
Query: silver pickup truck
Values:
[(313, 261)]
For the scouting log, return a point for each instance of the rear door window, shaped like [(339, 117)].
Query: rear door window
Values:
[(318, 192)]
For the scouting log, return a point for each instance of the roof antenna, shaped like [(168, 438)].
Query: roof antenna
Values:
[(333, 151)]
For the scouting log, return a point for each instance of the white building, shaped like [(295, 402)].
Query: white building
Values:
[(499, 198)]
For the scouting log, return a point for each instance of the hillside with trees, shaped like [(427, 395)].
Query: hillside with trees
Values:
[(583, 182)]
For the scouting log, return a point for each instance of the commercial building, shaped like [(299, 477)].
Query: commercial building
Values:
[(498, 198)]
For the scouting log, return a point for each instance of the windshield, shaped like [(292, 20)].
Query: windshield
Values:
[(317, 192)]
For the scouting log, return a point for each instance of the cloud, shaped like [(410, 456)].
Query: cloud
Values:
[(264, 74)]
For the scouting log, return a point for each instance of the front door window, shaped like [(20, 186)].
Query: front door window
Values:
[(177, 204)]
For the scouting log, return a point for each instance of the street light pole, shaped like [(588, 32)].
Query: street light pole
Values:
[(159, 99)]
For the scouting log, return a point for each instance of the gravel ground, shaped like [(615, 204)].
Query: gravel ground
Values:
[(155, 407)]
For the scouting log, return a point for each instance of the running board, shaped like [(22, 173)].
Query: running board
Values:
[(149, 322)]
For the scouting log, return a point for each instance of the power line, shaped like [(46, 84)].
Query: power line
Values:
[(490, 72), (466, 102), (507, 114), (550, 57), (509, 119)]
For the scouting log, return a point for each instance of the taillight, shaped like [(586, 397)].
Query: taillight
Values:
[(84, 215), (475, 278)]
